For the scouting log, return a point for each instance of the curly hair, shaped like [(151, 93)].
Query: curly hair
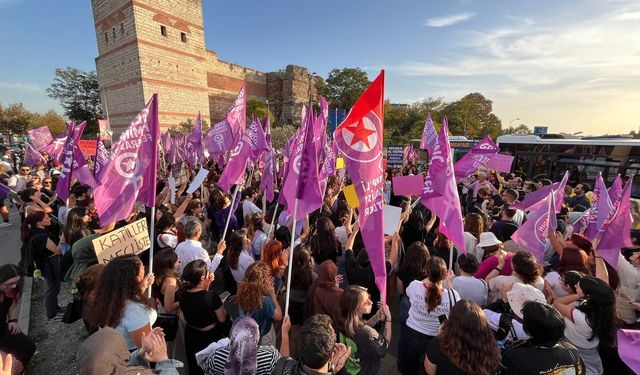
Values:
[(468, 341), (117, 284), (526, 266), (252, 288)]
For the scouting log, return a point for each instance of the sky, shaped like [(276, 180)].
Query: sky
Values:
[(571, 65)]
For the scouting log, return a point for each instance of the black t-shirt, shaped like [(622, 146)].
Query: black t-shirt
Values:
[(38, 241), (438, 358), (527, 359), (199, 308), (443, 253)]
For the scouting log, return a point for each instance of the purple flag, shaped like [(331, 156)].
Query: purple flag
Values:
[(292, 169), (40, 137), (239, 157), (103, 157), (54, 149), (629, 347), (31, 156), (329, 162), (4, 191), (308, 193), (224, 135), (440, 193), (532, 201), (429, 136), (476, 158), (616, 228), (600, 209), (194, 145), (360, 139), (64, 183), (130, 176), (80, 170), (533, 234), (258, 140), (165, 139), (615, 191)]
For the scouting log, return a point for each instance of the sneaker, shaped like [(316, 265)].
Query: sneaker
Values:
[(58, 316), (5, 224)]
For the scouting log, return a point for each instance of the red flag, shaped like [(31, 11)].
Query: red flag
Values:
[(359, 138)]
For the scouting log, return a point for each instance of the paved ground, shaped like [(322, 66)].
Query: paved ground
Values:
[(10, 240)]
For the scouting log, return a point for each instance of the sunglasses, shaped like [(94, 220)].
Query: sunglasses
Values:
[(25, 170)]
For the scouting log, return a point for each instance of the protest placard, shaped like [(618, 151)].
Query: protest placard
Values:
[(500, 163), (408, 185), (391, 219), (351, 196), (198, 180), (395, 156), (339, 163), (179, 173), (130, 239)]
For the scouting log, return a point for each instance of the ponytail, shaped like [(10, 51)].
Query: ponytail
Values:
[(437, 271), (433, 297)]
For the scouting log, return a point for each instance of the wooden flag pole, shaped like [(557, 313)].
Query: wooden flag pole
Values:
[(293, 236), (152, 231), (233, 202)]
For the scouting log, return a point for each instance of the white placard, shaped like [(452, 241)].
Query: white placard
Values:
[(172, 188), (391, 219), (198, 180)]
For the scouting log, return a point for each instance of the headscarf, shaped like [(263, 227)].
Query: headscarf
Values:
[(243, 348), (324, 295), (105, 352)]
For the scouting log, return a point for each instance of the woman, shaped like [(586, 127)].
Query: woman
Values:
[(240, 257), (302, 276), (323, 242), (464, 345), (257, 298), (324, 294), (32, 202), (469, 287), (167, 234), (41, 247), (473, 227), (12, 340), (525, 270), (120, 301), (202, 309), (76, 227), (256, 234), (368, 345), (241, 353), (572, 259), (277, 259), (222, 207), (592, 324), (442, 247), (430, 302), (492, 249), (165, 269)]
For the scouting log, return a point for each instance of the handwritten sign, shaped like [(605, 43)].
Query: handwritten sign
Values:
[(408, 185), (179, 173), (131, 239), (88, 147), (395, 156)]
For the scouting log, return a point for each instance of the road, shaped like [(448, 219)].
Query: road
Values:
[(10, 240)]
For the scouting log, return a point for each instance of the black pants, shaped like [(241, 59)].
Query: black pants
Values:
[(414, 346), (53, 278)]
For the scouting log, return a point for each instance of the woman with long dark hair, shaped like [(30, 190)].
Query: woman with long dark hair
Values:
[(465, 344), (354, 331), (202, 309), (120, 301), (256, 233), (302, 276), (12, 340), (76, 228), (592, 324), (239, 255), (429, 302), (323, 242), (473, 227), (165, 269), (41, 247)]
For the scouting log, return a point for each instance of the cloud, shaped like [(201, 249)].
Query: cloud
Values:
[(17, 86), (448, 20)]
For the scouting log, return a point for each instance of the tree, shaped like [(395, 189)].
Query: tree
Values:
[(281, 134), (520, 129), (259, 109), (79, 94), (403, 122), (344, 86), (15, 118), (187, 126), (471, 116), (51, 119)]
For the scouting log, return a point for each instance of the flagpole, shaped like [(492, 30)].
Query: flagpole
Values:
[(273, 220), (293, 236), (233, 202), (152, 238)]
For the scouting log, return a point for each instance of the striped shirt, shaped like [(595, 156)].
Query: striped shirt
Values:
[(267, 357)]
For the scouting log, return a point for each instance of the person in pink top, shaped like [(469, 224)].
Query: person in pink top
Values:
[(493, 247)]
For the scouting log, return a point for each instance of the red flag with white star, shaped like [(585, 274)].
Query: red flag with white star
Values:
[(359, 139)]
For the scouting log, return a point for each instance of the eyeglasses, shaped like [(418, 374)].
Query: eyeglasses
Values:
[(25, 170), (46, 182)]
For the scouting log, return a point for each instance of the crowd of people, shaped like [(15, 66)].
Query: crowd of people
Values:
[(219, 284)]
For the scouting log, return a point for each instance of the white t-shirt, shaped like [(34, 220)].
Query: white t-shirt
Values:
[(249, 207), (167, 239), (494, 322), (555, 282), (578, 332), (420, 319), (499, 285), (341, 235), (470, 244), (259, 239), (135, 317), (472, 289), (244, 261)]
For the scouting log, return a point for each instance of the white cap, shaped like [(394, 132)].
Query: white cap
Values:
[(488, 239)]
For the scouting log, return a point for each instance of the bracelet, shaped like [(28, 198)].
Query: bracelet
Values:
[(497, 269), (12, 321)]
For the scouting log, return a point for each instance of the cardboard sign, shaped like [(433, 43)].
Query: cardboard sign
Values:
[(172, 188), (351, 196), (408, 185), (198, 180), (179, 173), (339, 163), (88, 147), (500, 163), (131, 239), (391, 219), (395, 156)]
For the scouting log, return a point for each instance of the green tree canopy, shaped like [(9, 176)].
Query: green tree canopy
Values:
[(520, 129), (472, 116), (344, 86), (259, 109), (15, 118), (79, 94)]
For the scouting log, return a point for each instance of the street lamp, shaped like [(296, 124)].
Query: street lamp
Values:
[(515, 119)]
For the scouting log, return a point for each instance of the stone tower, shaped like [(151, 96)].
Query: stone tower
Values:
[(143, 50)]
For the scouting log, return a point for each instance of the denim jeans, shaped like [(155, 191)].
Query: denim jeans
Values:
[(52, 278)]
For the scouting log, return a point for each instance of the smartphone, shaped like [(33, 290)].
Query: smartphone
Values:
[(443, 318), (224, 295)]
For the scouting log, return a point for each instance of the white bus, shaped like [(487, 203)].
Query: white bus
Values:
[(550, 155)]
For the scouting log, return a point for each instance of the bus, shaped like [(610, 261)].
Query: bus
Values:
[(550, 155)]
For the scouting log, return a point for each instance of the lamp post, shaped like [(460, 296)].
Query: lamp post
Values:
[(515, 119)]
